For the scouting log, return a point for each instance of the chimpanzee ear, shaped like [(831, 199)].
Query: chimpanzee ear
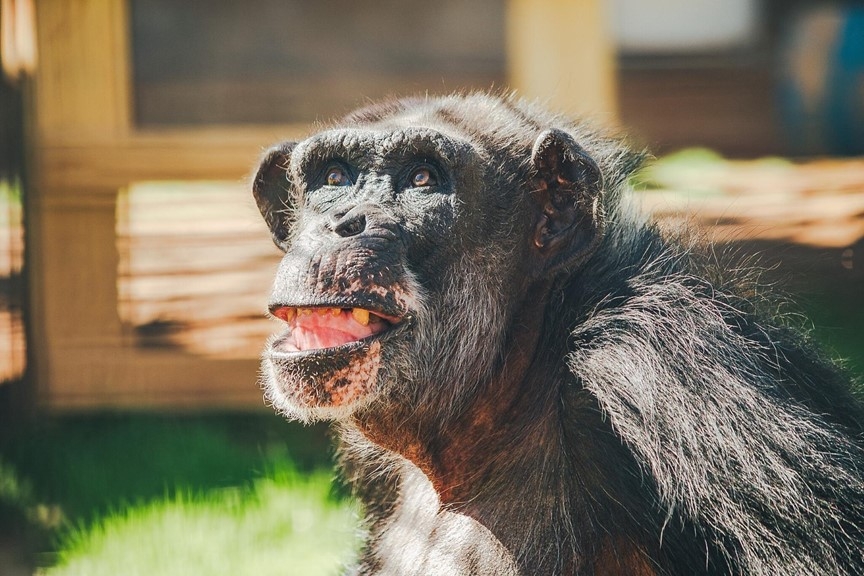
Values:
[(566, 189), (272, 190)]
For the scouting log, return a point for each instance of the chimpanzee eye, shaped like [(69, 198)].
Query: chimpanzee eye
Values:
[(423, 177), (336, 176)]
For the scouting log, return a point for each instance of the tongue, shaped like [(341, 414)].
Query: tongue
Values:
[(315, 331)]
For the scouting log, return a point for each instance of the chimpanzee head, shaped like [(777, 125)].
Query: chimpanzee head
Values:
[(416, 235)]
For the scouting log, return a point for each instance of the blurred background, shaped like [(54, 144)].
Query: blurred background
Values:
[(134, 267)]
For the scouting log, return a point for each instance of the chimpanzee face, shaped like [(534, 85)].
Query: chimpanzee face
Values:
[(367, 212), (406, 251)]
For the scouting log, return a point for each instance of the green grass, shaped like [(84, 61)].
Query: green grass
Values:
[(89, 465), (178, 494), (284, 524)]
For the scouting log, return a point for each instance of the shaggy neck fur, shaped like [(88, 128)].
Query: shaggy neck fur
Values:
[(513, 434)]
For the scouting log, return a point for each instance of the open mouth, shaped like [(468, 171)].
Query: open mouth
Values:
[(320, 328)]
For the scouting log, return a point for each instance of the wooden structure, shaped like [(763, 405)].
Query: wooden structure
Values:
[(87, 148)]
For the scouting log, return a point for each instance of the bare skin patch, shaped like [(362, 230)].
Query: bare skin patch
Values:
[(322, 386), (347, 385)]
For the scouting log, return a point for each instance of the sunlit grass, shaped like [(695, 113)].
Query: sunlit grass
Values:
[(165, 494), (283, 524)]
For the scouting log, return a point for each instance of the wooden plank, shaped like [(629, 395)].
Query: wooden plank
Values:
[(110, 164), (728, 108), (87, 377)]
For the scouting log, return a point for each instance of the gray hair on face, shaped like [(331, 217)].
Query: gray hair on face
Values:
[(470, 316)]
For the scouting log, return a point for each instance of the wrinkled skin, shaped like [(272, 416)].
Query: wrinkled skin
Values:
[(529, 378)]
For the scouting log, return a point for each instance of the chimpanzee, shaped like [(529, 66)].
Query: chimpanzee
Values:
[(530, 377)]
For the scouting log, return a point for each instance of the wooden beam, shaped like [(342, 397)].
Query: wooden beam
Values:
[(113, 163)]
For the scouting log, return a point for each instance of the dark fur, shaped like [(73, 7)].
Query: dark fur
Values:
[(661, 422)]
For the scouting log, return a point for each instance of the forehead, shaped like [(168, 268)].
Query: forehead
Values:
[(381, 143)]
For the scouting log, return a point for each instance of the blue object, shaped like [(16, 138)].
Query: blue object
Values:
[(827, 118)]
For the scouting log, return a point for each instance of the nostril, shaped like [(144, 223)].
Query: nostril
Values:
[(352, 226)]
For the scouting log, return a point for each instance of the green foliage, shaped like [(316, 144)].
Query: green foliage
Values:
[(13, 492), (698, 172), (10, 191)]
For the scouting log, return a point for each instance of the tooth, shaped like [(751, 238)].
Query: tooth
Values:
[(321, 311), (360, 315), (304, 311), (287, 314), (335, 311)]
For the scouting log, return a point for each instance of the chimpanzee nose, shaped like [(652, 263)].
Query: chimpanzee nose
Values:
[(349, 223)]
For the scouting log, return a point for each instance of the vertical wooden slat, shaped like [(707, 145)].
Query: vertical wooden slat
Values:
[(81, 96), (81, 267), (560, 52), (82, 82)]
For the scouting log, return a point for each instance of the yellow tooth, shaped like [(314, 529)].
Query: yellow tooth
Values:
[(288, 314), (321, 311), (360, 315), (335, 311), (304, 311)]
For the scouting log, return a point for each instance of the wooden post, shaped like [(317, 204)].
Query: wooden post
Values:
[(560, 52)]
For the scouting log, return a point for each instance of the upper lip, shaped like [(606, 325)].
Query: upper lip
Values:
[(362, 315)]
